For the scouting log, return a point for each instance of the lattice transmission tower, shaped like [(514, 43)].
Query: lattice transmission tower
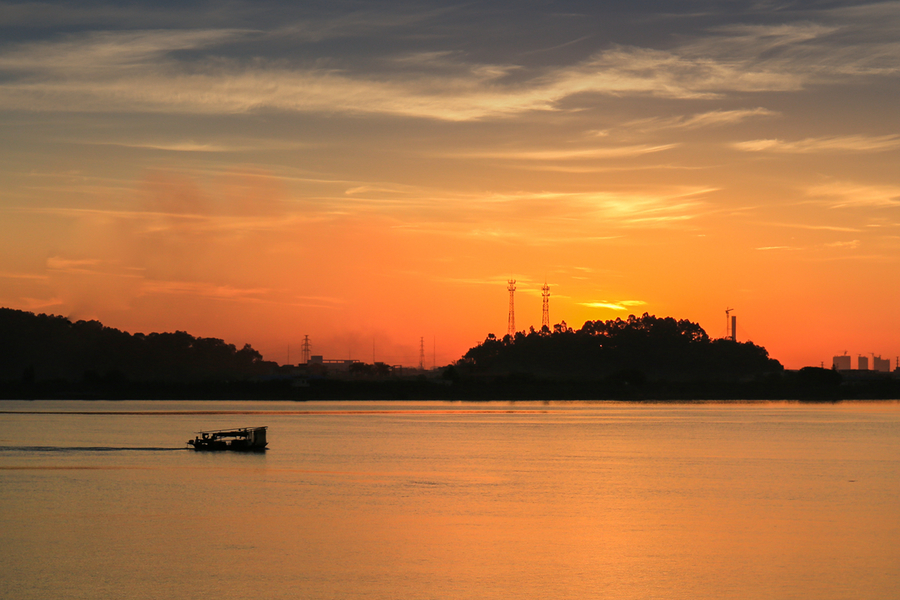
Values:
[(421, 353), (730, 324), (545, 318), (511, 329), (305, 350)]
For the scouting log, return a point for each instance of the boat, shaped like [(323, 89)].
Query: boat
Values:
[(243, 439)]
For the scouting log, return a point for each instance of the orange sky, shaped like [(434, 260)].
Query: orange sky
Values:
[(369, 174)]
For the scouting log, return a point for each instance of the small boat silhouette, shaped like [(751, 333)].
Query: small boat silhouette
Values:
[(243, 439)]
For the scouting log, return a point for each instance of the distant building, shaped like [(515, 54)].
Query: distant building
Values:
[(841, 363), (881, 364), (862, 363), (322, 366)]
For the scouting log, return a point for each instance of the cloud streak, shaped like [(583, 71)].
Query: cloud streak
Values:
[(621, 305), (195, 71), (204, 289), (571, 154), (707, 119), (847, 143), (854, 195)]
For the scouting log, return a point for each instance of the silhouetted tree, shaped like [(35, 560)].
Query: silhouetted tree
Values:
[(56, 348), (629, 350)]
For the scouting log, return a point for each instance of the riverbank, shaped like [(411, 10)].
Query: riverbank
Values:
[(787, 386)]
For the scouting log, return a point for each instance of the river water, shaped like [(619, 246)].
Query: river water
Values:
[(101, 500)]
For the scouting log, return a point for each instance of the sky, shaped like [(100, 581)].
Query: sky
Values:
[(371, 174)]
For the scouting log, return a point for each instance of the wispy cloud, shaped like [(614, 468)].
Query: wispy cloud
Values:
[(477, 213), (621, 305), (205, 289), (26, 276), (641, 208), (38, 303), (173, 147), (847, 244), (136, 71), (855, 195), (813, 227), (644, 71), (149, 71), (160, 222), (647, 208), (839, 45), (706, 119), (89, 266), (322, 299), (55, 262), (107, 54), (178, 144), (231, 293), (569, 153), (847, 143), (492, 280)]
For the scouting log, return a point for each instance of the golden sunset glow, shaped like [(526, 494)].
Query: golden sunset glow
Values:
[(371, 174)]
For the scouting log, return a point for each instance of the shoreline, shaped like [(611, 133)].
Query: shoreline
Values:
[(497, 389)]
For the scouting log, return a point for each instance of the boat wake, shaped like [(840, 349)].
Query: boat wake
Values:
[(74, 449)]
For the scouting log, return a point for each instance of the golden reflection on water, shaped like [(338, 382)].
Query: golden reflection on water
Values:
[(612, 501)]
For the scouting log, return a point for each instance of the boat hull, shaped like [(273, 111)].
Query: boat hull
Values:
[(247, 439), (223, 446)]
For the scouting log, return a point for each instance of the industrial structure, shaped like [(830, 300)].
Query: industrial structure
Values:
[(304, 357), (841, 363), (321, 365), (882, 365), (730, 332), (511, 327), (878, 365), (545, 318)]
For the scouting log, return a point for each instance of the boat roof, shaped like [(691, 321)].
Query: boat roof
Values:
[(233, 430)]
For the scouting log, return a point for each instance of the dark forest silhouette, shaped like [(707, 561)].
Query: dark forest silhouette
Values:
[(48, 347), (638, 358), (634, 349)]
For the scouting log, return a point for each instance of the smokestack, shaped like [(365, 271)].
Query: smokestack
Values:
[(733, 329)]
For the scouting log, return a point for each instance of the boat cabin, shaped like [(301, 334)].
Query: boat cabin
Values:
[(244, 439)]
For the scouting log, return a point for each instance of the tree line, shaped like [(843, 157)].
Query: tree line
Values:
[(634, 349), (50, 347)]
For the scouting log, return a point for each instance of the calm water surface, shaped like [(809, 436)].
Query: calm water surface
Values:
[(451, 500)]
